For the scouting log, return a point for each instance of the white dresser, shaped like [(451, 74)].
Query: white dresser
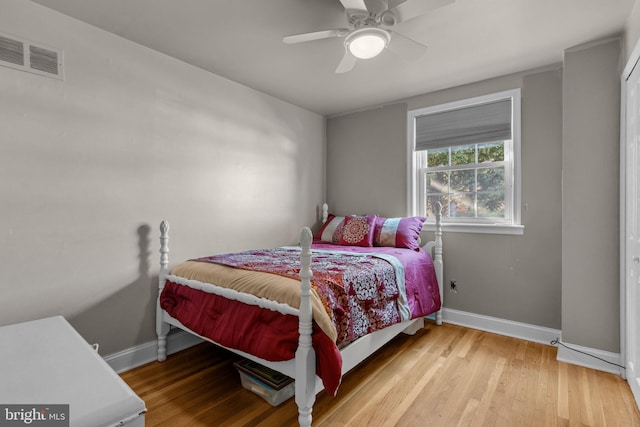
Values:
[(46, 362)]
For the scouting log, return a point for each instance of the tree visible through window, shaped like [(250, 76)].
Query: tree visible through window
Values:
[(464, 158), (468, 180)]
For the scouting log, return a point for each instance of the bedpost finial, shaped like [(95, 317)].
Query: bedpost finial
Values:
[(438, 209), (306, 237), (164, 227)]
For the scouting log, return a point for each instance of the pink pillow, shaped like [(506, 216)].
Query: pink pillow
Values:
[(398, 232), (329, 228), (357, 230)]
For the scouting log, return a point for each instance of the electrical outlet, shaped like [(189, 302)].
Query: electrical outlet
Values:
[(453, 286)]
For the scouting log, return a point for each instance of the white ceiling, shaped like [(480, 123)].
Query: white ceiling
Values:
[(469, 40)]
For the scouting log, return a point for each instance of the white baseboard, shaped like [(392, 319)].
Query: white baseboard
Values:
[(180, 340), (496, 325), (148, 352), (576, 358), (537, 334)]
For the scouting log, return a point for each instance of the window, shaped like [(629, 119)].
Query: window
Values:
[(465, 155)]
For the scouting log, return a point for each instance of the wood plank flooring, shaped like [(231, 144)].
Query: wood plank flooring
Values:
[(442, 376)]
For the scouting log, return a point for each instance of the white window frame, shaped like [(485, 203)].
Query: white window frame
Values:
[(512, 172)]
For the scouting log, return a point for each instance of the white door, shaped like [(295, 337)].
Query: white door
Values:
[(631, 250)]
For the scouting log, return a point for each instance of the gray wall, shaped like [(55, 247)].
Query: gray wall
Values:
[(90, 165), (590, 189), (367, 162), (509, 277)]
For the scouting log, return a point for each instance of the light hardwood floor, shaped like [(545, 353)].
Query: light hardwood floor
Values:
[(442, 376)]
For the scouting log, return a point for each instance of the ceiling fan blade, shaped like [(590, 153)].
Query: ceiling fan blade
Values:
[(347, 63), (354, 4), (317, 35), (409, 9), (405, 47)]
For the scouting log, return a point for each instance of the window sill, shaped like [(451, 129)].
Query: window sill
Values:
[(514, 230)]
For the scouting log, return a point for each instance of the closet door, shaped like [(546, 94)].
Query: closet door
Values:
[(631, 250)]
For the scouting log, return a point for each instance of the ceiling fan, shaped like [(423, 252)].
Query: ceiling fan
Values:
[(369, 30)]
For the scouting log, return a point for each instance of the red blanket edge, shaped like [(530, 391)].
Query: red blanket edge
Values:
[(261, 332)]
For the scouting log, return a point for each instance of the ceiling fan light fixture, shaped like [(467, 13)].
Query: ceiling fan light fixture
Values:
[(366, 43)]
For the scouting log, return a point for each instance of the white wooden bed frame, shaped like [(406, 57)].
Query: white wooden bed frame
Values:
[(303, 367)]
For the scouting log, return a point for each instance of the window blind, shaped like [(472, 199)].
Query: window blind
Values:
[(467, 125)]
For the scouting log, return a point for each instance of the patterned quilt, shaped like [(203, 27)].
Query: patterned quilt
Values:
[(360, 292)]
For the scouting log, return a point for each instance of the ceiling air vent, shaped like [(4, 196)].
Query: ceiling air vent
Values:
[(25, 55)]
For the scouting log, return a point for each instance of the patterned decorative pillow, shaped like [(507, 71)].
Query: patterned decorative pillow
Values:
[(328, 229), (398, 232), (357, 230)]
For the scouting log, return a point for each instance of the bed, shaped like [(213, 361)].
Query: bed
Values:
[(269, 306)]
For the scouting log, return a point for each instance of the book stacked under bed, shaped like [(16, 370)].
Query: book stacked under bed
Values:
[(272, 386)]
